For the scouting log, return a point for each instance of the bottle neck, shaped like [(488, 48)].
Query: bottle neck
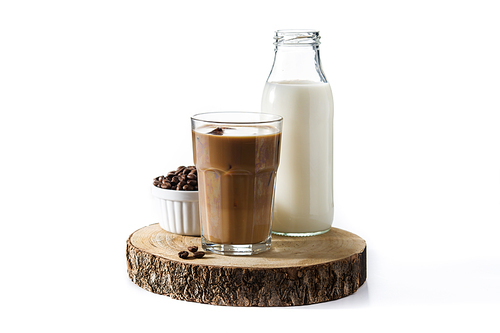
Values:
[(297, 57)]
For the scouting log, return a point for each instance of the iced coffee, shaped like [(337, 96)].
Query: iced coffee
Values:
[(237, 156)]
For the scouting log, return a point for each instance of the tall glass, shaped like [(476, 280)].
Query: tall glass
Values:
[(237, 156)]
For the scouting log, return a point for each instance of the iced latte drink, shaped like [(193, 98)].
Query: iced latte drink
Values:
[(237, 156)]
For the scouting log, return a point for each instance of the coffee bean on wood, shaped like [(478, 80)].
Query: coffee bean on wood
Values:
[(183, 254), (182, 179), (198, 254)]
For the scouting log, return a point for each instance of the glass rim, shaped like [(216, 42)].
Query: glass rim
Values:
[(271, 118)]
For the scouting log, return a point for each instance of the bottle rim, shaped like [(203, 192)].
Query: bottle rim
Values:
[(296, 37)]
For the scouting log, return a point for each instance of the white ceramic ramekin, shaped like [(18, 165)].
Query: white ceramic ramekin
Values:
[(178, 211)]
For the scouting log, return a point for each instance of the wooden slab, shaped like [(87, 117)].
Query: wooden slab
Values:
[(296, 271)]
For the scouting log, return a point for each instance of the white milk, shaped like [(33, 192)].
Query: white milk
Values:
[(304, 189)]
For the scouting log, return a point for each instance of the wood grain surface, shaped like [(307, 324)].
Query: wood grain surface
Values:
[(296, 271)]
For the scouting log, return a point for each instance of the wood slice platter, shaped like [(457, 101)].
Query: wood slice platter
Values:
[(295, 271)]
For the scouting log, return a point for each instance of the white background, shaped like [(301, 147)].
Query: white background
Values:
[(95, 100)]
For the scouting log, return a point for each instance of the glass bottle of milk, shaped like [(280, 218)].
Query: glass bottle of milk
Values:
[(298, 90)]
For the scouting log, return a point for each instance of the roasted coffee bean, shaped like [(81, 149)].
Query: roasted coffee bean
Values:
[(179, 170), (182, 179), (193, 248), (217, 131), (183, 254), (198, 254)]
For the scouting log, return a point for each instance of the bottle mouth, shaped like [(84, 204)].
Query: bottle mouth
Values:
[(296, 37)]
